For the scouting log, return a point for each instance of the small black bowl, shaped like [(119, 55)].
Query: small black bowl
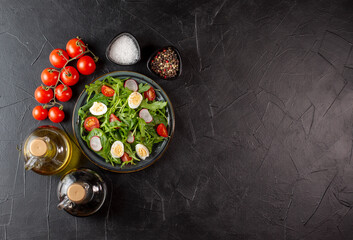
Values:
[(113, 40), (155, 53)]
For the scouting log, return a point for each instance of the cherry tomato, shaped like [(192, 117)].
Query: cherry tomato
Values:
[(113, 118), (39, 113), (86, 65), (126, 157), (162, 130), (43, 96), (49, 76), (107, 91), (62, 95), (150, 94), (91, 123), (73, 47), (69, 76), (58, 57), (56, 115)]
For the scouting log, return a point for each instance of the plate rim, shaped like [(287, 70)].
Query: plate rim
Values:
[(161, 153)]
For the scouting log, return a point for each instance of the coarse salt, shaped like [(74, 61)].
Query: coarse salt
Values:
[(124, 51)]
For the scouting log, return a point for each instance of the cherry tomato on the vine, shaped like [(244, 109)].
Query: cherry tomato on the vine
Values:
[(162, 130), (42, 95), (62, 95), (39, 113), (58, 57), (75, 47), (150, 94), (86, 65), (69, 76), (107, 91), (56, 115), (49, 76), (91, 123)]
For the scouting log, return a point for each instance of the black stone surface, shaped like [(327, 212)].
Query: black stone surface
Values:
[(263, 140)]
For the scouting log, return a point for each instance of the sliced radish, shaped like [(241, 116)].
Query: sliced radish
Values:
[(131, 84), (130, 138), (145, 115), (95, 143)]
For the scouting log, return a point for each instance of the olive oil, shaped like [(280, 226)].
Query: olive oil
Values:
[(47, 150), (81, 192)]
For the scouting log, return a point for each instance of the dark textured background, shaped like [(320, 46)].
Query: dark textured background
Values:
[(263, 140)]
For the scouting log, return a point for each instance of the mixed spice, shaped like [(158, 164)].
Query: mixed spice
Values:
[(165, 63)]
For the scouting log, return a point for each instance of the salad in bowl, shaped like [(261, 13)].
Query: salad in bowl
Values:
[(124, 120)]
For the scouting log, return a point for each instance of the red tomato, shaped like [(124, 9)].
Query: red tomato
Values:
[(150, 94), (56, 115), (107, 91), (49, 76), (58, 57), (43, 96), (113, 118), (69, 76), (91, 123), (73, 47), (62, 95), (126, 157), (162, 130), (39, 113), (86, 65)]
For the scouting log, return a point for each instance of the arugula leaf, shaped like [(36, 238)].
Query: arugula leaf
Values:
[(93, 88), (153, 106), (143, 87), (142, 125), (117, 124), (158, 118)]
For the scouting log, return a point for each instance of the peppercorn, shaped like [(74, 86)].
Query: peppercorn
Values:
[(165, 63)]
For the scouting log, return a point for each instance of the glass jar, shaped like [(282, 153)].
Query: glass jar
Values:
[(47, 150), (81, 192)]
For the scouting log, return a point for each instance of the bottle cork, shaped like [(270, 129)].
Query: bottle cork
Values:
[(76, 192), (38, 147)]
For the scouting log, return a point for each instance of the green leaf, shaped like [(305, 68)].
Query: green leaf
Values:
[(143, 87), (93, 88), (153, 106), (142, 125), (158, 118)]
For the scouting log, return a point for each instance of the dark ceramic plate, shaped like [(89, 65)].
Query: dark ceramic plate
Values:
[(158, 149), (155, 53)]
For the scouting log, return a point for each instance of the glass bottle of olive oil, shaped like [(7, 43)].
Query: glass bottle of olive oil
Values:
[(81, 192), (47, 150)]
